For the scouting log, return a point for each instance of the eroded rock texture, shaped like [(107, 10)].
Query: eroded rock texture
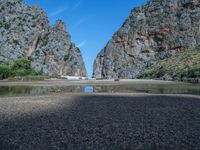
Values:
[(25, 32), (152, 32)]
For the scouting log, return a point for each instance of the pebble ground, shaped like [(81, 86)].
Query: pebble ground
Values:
[(100, 122)]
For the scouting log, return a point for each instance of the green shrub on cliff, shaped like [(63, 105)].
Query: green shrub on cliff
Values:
[(19, 67), (192, 73), (22, 67), (5, 71)]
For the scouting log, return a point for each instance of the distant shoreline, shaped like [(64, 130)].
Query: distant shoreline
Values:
[(61, 82)]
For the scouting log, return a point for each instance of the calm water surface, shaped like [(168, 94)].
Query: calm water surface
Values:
[(179, 88)]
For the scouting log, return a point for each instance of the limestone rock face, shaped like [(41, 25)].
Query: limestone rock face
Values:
[(157, 30), (25, 32)]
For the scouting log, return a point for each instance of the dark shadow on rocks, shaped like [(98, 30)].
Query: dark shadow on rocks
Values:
[(108, 122)]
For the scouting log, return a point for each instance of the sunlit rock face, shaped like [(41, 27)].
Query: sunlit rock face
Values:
[(25, 32), (55, 54), (155, 31)]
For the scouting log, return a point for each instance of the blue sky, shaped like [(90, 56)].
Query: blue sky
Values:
[(91, 23)]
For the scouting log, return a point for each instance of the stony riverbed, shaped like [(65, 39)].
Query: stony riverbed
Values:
[(98, 121)]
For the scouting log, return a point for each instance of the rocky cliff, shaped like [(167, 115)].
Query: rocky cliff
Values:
[(153, 32), (25, 32)]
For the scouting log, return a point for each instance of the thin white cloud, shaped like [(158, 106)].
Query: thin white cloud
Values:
[(80, 21), (77, 5), (57, 12), (80, 45)]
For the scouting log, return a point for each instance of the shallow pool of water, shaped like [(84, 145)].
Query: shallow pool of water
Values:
[(129, 88)]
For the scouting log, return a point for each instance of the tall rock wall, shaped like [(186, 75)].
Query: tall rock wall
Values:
[(25, 32), (155, 31)]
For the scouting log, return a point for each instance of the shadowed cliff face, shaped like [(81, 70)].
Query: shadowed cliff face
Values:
[(25, 32), (157, 30)]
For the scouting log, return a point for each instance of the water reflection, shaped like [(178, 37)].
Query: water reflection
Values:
[(135, 88), (88, 89)]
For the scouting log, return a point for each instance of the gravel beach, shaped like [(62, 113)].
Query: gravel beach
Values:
[(98, 121)]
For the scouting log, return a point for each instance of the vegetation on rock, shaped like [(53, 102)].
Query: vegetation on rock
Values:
[(183, 66), (18, 68)]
